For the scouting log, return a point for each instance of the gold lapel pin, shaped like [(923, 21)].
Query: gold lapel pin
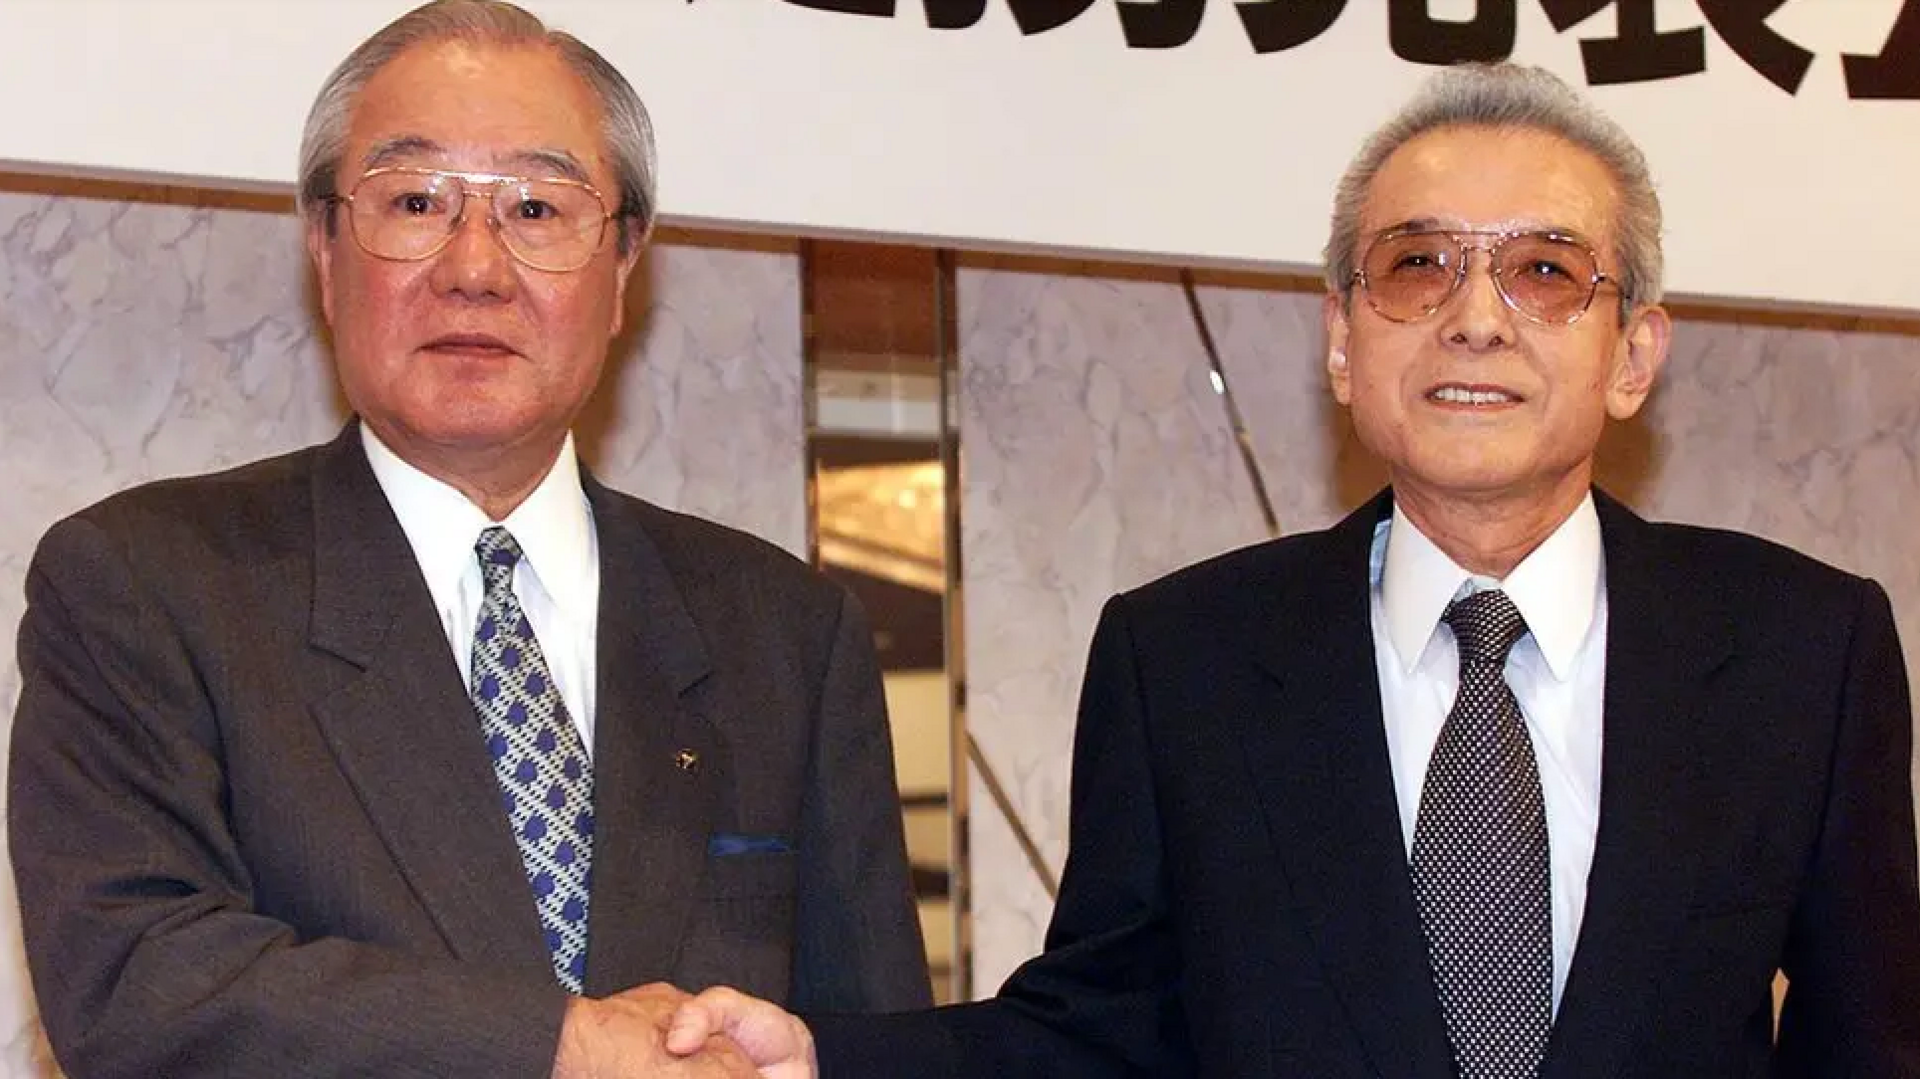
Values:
[(687, 761)]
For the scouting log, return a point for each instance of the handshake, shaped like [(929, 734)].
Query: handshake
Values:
[(658, 1031)]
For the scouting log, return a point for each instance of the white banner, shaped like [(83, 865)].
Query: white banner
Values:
[(1785, 134)]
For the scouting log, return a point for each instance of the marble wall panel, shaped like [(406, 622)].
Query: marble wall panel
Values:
[(701, 407), (1095, 455)]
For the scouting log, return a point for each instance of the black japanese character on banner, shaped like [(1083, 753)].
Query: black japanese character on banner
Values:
[(1277, 25), (954, 14), (1160, 24), (1638, 52), (1742, 24), (1894, 75), (1415, 35), (1040, 16)]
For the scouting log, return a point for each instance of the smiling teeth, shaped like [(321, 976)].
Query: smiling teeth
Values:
[(1458, 396)]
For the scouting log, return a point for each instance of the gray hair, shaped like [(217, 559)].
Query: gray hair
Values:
[(629, 131), (1506, 95)]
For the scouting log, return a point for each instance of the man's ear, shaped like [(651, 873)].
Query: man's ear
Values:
[(1639, 356), (1333, 312), (320, 237), (633, 241)]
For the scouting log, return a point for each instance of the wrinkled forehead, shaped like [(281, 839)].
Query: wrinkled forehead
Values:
[(1492, 180), (510, 109)]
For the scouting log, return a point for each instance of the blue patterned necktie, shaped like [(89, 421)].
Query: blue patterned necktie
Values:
[(546, 780), (1480, 859)]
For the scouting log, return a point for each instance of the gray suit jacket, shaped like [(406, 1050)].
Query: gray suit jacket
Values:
[(256, 833)]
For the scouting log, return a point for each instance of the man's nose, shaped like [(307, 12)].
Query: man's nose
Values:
[(475, 263), (1476, 315)]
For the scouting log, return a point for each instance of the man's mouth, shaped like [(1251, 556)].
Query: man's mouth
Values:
[(1474, 396), (468, 342)]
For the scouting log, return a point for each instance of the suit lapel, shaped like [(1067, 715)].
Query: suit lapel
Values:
[(1661, 650), (402, 727), (652, 804), (1319, 754)]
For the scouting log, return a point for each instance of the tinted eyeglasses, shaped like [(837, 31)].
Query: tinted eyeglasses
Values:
[(1545, 275)]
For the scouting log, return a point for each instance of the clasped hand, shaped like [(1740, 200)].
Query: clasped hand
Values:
[(661, 1032)]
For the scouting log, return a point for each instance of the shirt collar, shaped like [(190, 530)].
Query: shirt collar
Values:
[(552, 525), (1556, 587)]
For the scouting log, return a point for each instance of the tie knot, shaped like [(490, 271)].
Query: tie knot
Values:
[(498, 553), (1485, 624)]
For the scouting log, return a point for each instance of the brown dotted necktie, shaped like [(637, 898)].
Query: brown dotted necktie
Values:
[(1480, 867)]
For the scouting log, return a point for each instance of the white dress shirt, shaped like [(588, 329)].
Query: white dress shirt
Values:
[(1557, 672), (557, 580)]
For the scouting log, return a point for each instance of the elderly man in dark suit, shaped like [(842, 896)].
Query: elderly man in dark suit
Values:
[(1493, 778), (413, 753)]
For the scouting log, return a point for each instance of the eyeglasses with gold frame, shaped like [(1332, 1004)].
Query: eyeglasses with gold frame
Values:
[(404, 213)]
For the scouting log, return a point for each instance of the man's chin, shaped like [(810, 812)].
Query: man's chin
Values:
[(475, 430), (1473, 479)]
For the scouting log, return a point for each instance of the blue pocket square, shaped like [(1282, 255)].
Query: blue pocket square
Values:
[(725, 843)]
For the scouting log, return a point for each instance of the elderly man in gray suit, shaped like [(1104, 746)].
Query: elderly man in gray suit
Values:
[(413, 753)]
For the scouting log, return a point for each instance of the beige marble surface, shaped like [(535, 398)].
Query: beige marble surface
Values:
[(1803, 434), (145, 334), (1095, 455), (702, 410)]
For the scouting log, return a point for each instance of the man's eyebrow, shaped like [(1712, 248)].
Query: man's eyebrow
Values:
[(558, 163), (1415, 224), (387, 151)]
